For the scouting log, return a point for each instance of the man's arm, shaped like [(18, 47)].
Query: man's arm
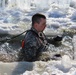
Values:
[(55, 41)]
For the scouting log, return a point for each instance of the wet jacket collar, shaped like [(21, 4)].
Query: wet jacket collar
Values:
[(34, 30)]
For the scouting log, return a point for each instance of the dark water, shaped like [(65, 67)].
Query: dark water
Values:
[(9, 49)]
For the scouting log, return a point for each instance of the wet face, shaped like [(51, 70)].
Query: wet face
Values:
[(41, 25)]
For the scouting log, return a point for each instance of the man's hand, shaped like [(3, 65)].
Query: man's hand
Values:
[(58, 38)]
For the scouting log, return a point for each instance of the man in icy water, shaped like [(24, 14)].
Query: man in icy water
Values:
[(35, 42)]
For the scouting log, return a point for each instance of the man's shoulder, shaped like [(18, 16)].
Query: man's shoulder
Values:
[(30, 35), (30, 39)]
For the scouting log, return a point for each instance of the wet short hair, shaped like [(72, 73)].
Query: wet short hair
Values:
[(36, 18)]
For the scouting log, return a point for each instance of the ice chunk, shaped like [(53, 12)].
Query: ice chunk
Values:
[(66, 62), (74, 46), (73, 17)]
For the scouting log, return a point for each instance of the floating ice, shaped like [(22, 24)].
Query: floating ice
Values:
[(73, 18), (73, 3), (74, 46), (56, 13), (66, 62)]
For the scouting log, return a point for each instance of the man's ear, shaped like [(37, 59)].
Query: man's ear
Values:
[(35, 24)]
